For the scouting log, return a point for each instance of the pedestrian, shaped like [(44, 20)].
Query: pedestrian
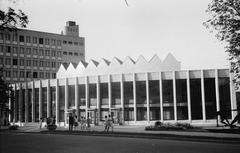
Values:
[(106, 124), (40, 123), (82, 124), (88, 124), (54, 120), (71, 120), (110, 122), (75, 122), (48, 120)]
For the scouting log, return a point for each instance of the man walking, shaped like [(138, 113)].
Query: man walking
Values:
[(71, 120)]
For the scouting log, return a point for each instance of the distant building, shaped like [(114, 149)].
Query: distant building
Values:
[(32, 55), (132, 92)]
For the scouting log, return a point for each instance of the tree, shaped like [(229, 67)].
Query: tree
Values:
[(226, 21), (11, 20), (5, 92)]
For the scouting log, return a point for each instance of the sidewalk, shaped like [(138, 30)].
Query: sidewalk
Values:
[(135, 129)]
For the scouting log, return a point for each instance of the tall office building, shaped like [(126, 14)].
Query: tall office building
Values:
[(30, 55)]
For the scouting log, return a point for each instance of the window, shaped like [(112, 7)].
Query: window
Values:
[(15, 74), (59, 64), (21, 50), (64, 42), (35, 63), (53, 64), (41, 63), (53, 53), (8, 73), (8, 61), (34, 51), (14, 49), (47, 64), (75, 43), (1, 60), (47, 52), (22, 62), (81, 44), (64, 53), (70, 53), (28, 39), (29, 51), (1, 48), (28, 62), (41, 52), (75, 54), (22, 74), (29, 75), (14, 37), (70, 43), (41, 41), (48, 75), (7, 36), (1, 36), (15, 62), (59, 42), (54, 76), (21, 38), (53, 42), (81, 54), (8, 49), (59, 54), (47, 42), (41, 74), (35, 75), (35, 40)]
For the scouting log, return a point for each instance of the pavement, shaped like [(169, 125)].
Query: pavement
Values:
[(139, 131)]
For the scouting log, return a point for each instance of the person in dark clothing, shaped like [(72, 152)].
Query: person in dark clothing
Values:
[(71, 121)]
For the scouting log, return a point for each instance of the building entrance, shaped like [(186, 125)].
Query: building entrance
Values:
[(93, 115), (116, 114)]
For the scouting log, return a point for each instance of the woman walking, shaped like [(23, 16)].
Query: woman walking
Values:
[(106, 124)]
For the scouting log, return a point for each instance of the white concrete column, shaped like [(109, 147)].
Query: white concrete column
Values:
[(26, 102), (98, 98), (57, 101), (122, 96), (109, 93), (147, 98), (233, 96), (189, 97), (76, 98), (49, 103), (86, 94), (217, 90), (203, 96), (134, 98), (40, 100), (33, 102), (21, 103), (174, 96), (66, 100), (161, 95)]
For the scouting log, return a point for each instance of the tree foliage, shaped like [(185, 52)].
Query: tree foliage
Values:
[(225, 19), (10, 20), (5, 91)]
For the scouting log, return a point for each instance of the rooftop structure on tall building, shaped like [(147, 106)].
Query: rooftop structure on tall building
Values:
[(32, 55)]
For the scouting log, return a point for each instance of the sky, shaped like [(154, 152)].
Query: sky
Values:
[(112, 28)]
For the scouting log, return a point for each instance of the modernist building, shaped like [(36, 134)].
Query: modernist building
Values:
[(132, 92), (32, 55)]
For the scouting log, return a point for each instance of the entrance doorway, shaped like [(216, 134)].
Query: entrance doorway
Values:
[(93, 115), (116, 114)]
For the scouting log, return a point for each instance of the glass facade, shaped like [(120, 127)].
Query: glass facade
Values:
[(168, 107), (116, 93), (104, 99), (181, 97), (196, 99), (187, 98)]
